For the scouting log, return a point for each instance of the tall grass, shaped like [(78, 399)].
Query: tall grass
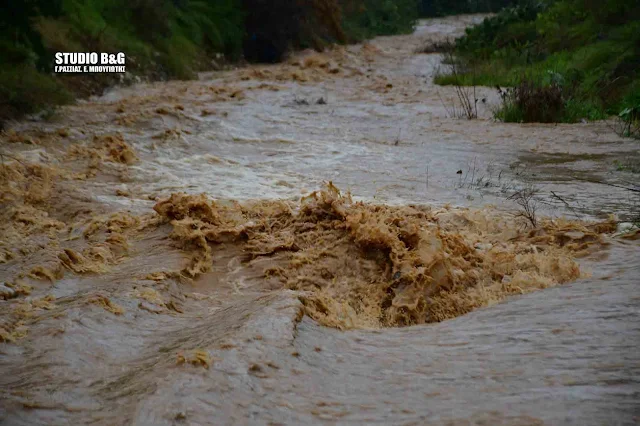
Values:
[(587, 51)]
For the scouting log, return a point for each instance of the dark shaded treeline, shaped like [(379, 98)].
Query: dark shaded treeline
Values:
[(430, 8)]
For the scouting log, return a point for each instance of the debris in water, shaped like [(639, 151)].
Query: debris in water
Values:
[(44, 273), (150, 307), (15, 331), (106, 304), (45, 303), (150, 295), (117, 149), (197, 357)]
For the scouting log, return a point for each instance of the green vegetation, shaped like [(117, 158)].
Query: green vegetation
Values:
[(565, 60), (369, 18), (169, 38), (161, 39), (431, 8), (627, 166)]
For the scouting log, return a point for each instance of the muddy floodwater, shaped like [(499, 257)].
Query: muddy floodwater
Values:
[(316, 242)]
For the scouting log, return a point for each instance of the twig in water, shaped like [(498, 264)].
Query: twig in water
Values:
[(525, 199), (398, 137), (608, 184), (427, 177), (556, 196)]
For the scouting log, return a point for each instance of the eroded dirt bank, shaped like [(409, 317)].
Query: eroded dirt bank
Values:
[(166, 260)]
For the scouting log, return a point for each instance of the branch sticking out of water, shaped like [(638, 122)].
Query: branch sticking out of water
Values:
[(467, 105), (525, 198)]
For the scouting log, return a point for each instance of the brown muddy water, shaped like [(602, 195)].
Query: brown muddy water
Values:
[(173, 253)]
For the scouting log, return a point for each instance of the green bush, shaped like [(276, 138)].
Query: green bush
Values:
[(381, 17), (628, 119), (590, 50), (579, 109), (24, 90), (530, 102)]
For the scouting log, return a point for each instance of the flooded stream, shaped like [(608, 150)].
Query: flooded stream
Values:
[(316, 242)]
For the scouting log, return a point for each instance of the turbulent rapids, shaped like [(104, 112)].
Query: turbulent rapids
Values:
[(363, 265), (181, 252), (356, 264)]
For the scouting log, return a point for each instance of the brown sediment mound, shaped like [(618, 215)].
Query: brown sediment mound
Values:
[(42, 237), (150, 295), (12, 331), (104, 148), (51, 271), (93, 259), (271, 87), (319, 61), (362, 265), (13, 323), (106, 304), (40, 247), (11, 136), (112, 224), (30, 136), (197, 357), (380, 84), (116, 148), (370, 52), (25, 182), (226, 93), (25, 224), (315, 61), (299, 72), (197, 222)]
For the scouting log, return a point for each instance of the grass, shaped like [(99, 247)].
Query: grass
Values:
[(592, 59)]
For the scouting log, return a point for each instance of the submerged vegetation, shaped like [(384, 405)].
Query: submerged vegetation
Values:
[(564, 60), (170, 38)]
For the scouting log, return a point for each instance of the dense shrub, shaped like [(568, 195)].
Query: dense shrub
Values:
[(591, 48), (24, 90), (628, 119), (368, 18), (512, 28), (530, 102)]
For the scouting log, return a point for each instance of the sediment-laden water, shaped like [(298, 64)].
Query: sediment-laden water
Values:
[(316, 242)]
